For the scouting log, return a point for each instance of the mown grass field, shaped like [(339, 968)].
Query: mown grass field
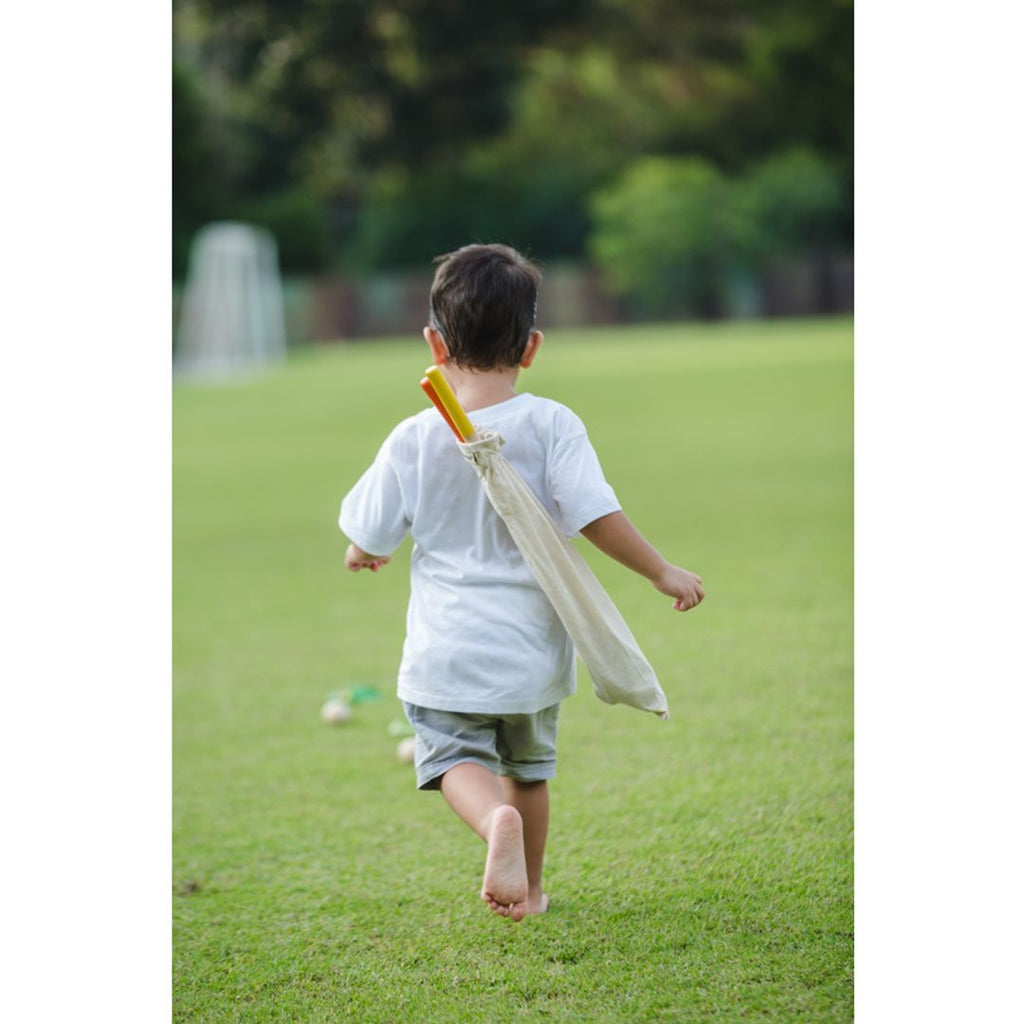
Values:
[(699, 869)]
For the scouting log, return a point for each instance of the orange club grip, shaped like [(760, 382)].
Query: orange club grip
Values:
[(432, 395), (447, 397)]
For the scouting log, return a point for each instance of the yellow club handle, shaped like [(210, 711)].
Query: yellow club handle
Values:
[(451, 403)]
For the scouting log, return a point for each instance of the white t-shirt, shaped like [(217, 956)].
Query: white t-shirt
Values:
[(481, 637)]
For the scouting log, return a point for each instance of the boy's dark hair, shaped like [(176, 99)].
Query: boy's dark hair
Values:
[(484, 304)]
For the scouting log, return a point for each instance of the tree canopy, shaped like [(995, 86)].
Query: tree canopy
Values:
[(379, 132)]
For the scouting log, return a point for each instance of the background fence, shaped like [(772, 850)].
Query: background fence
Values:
[(333, 307)]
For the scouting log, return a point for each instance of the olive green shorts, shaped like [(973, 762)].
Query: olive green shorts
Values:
[(520, 747)]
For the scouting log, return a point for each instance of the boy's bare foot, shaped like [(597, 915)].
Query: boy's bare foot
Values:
[(532, 905), (505, 887), (518, 911)]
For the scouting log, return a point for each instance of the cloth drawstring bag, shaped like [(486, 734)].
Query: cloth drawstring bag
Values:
[(618, 668)]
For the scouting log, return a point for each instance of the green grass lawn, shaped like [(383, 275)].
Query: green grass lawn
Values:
[(699, 869)]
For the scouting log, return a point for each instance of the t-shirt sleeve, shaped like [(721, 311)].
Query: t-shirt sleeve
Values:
[(577, 483), (373, 514)]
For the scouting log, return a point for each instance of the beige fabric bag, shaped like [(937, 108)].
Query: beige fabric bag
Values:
[(621, 673)]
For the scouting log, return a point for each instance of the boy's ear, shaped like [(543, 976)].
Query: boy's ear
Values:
[(438, 348), (530, 352)]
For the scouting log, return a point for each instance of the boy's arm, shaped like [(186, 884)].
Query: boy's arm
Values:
[(356, 558), (618, 538), (374, 511)]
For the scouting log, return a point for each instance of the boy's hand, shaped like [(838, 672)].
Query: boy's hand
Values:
[(681, 584), (356, 558), (618, 538)]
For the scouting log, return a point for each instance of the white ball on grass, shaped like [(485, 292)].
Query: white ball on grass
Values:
[(335, 712), (406, 751)]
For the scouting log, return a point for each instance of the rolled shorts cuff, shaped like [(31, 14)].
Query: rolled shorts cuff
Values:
[(428, 775)]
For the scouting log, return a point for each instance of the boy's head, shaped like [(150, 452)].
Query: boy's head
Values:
[(484, 304)]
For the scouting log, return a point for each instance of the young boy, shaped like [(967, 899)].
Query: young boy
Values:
[(486, 661)]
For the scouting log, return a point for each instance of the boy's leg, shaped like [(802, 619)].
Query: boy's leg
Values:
[(478, 798), (526, 745), (530, 799)]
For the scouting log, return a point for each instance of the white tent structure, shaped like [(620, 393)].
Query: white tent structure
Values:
[(232, 317)]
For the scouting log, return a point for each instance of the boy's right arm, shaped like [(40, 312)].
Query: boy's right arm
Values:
[(374, 511), (618, 538)]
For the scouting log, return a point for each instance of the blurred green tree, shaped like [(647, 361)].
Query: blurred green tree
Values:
[(408, 123), (349, 87), (646, 77), (661, 235), (671, 232), (789, 204)]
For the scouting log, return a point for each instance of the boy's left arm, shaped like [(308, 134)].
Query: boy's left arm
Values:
[(618, 538), (356, 558)]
